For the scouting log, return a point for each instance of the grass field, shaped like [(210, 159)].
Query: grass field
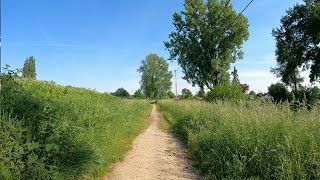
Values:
[(248, 140), (55, 132)]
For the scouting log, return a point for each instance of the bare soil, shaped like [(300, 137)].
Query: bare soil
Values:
[(155, 155)]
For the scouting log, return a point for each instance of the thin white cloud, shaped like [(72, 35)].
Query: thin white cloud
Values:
[(258, 80)]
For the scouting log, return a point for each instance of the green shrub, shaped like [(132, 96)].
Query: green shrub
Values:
[(170, 94), (278, 92), (186, 94), (248, 140), (226, 92)]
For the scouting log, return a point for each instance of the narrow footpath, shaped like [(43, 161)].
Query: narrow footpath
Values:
[(155, 155)]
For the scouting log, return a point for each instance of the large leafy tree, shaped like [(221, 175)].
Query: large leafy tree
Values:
[(29, 68), (155, 76), (298, 44), (207, 39)]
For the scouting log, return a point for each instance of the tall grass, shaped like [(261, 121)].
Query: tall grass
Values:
[(248, 140), (55, 132)]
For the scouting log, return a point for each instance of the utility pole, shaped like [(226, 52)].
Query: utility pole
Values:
[(176, 77), (175, 74)]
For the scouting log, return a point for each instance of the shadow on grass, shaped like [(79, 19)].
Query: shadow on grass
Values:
[(48, 145)]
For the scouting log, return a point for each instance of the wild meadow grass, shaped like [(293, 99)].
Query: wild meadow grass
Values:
[(248, 139), (55, 132)]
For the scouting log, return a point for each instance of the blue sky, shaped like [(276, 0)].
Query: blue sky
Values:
[(99, 44)]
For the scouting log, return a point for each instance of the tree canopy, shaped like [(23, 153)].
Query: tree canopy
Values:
[(278, 92), (29, 68), (121, 92), (298, 43), (155, 76), (186, 94), (208, 37), (170, 94)]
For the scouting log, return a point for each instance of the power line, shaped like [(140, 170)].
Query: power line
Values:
[(223, 10), (243, 10), (176, 71), (231, 24)]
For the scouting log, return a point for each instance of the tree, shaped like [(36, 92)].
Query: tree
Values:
[(252, 93), (121, 92), (138, 94), (208, 38), (155, 76), (235, 76), (186, 94), (278, 92), (297, 44), (260, 94), (245, 88), (170, 94), (29, 68)]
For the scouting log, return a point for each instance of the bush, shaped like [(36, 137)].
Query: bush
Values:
[(305, 97), (170, 94), (278, 92), (226, 92), (121, 92), (186, 94)]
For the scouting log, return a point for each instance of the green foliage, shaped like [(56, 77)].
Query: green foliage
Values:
[(155, 76), (252, 93), (298, 40), (138, 94), (186, 94), (205, 41), (260, 94), (170, 94), (55, 132), (305, 97), (278, 92), (201, 94), (226, 92), (228, 140), (121, 92), (29, 68)]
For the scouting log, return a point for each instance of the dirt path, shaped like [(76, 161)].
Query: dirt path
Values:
[(155, 155)]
